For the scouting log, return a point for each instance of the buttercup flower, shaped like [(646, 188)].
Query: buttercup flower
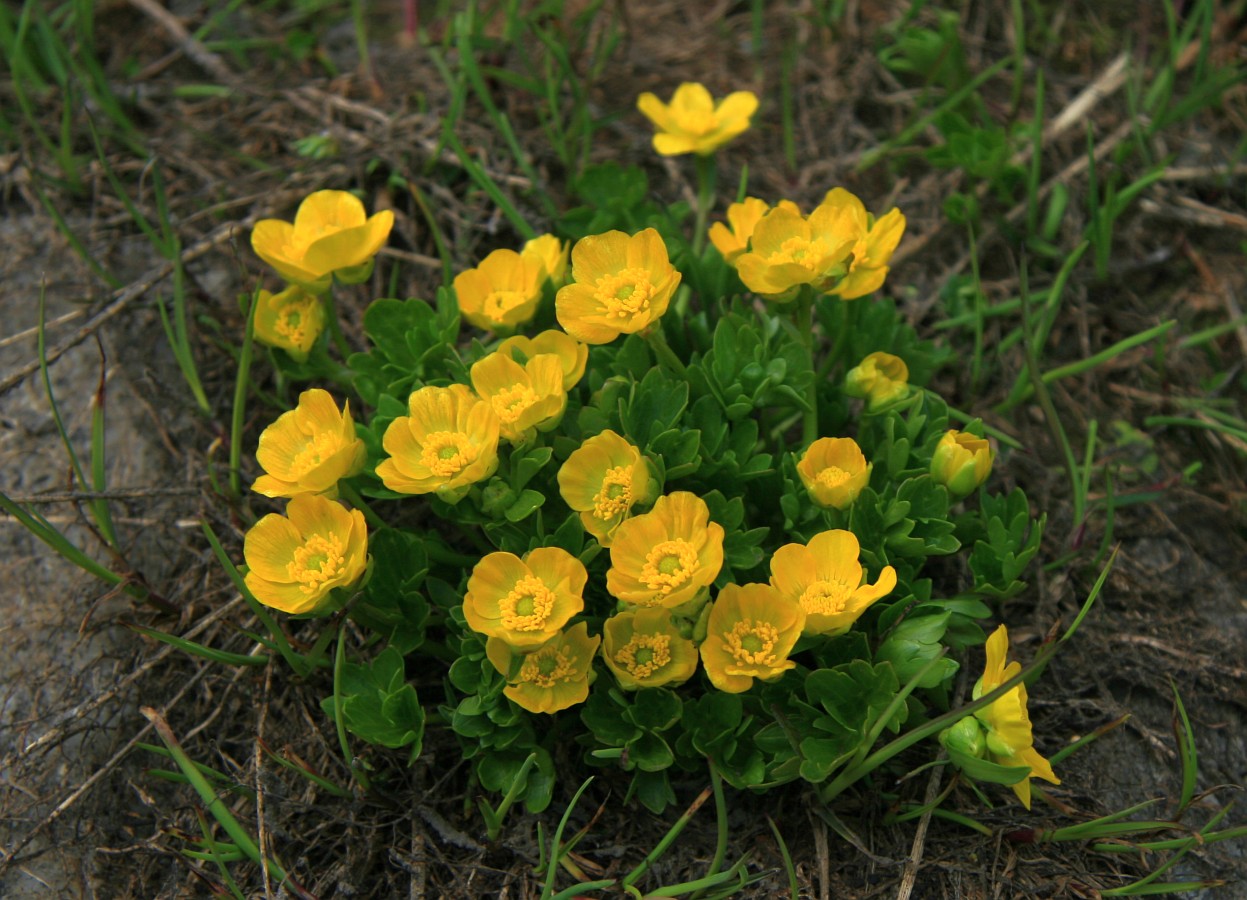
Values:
[(602, 480), (1010, 741), (875, 241), (309, 449), (825, 578), (620, 284), (694, 123), (295, 560), (572, 354), (551, 254), (834, 471), (732, 239), (750, 632), (787, 250), (523, 397), (500, 293), (524, 601), (554, 676), (330, 233), (645, 650), (291, 320), (962, 461), (880, 377), (666, 556), (446, 443)]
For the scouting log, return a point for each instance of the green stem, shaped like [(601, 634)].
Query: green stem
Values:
[(348, 492), (658, 343), (339, 658), (335, 327), (707, 174), (805, 325)]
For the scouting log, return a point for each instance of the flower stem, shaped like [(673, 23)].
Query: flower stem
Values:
[(335, 327), (805, 325), (658, 343), (707, 174)]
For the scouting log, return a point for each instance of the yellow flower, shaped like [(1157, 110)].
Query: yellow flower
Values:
[(448, 442), (524, 601), (694, 123), (645, 650), (551, 254), (501, 293), (620, 284), (602, 480), (523, 397), (1010, 741), (880, 377), (331, 232), (291, 320), (961, 462), (750, 632), (666, 556), (308, 449), (732, 239), (825, 578), (787, 250), (554, 676), (295, 560), (572, 354), (874, 242), (834, 471)]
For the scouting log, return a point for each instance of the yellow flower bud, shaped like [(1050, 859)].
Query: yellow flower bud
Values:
[(881, 378), (961, 462), (834, 471)]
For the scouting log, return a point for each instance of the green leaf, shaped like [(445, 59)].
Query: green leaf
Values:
[(379, 706), (914, 643), (391, 604), (527, 504), (655, 709)]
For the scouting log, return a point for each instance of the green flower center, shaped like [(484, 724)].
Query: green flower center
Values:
[(669, 565), (615, 496), (316, 563), (446, 453), (527, 606), (752, 643), (510, 403), (644, 655), (546, 667), (624, 294)]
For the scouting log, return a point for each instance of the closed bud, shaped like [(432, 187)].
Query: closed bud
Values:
[(961, 462)]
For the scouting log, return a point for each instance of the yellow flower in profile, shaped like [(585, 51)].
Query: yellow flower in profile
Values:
[(291, 320), (554, 676), (331, 233), (645, 650), (881, 378), (666, 556), (875, 241), (834, 471), (602, 480), (620, 284), (572, 355), (524, 601), (500, 293), (749, 634), (732, 239), (522, 397), (693, 122), (962, 461), (309, 449), (1010, 741), (551, 254), (825, 578), (446, 443), (295, 560), (787, 250)]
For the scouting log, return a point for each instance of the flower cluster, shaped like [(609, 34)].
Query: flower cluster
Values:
[(675, 496), (838, 249)]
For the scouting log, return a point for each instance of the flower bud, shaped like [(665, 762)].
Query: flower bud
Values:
[(964, 737), (961, 462)]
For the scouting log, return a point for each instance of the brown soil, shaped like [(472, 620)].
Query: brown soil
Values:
[(82, 815)]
